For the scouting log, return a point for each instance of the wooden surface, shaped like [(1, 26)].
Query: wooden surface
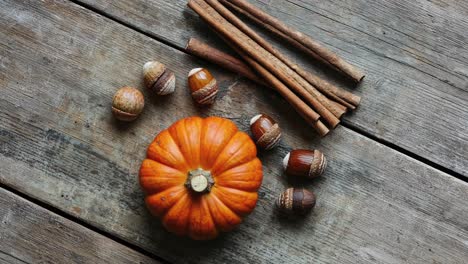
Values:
[(413, 52), (31, 234), (61, 63)]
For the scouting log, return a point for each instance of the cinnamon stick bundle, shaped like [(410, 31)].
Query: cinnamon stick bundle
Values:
[(314, 80), (341, 96), (266, 59), (324, 53)]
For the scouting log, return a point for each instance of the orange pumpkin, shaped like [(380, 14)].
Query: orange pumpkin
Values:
[(201, 177)]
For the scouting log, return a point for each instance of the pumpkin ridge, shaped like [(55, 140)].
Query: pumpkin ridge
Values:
[(180, 190), (223, 182), (169, 153), (194, 209), (218, 200), (234, 154), (152, 185), (218, 130), (234, 189), (186, 138), (210, 208), (222, 150), (192, 149), (229, 171), (204, 200), (205, 204), (198, 218), (240, 188), (214, 143), (187, 219), (163, 164), (220, 189), (177, 143)]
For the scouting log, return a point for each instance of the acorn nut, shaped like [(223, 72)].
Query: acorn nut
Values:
[(158, 78), (127, 103), (265, 131), (203, 86), (305, 163), (297, 201)]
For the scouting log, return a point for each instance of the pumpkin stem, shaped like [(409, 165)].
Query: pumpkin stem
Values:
[(199, 181)]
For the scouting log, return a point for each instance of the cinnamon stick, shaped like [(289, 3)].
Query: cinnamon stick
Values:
[(270, 62), (346, 68), (341, 96), (223, 11), (203, 50)]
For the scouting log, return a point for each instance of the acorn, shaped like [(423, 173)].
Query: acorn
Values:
[(203, 86), (127, 103), (158, 78), (297, 201), (265, 131), (304, 163)]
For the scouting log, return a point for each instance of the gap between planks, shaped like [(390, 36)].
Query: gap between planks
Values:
[(345, 123), (404, 151), (82, 223)]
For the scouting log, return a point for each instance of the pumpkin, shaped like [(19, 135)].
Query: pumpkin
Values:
[(201, 177)]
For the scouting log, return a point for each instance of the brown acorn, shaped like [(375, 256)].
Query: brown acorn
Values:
[(296, 201), (127, 103), (203, 86), (265, 131), (304, 163), (158, 78)]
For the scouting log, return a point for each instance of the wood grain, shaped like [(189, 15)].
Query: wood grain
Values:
[(32, 234), (415, 94), (61, 64)]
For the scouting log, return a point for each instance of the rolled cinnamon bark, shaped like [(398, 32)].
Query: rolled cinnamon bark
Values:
[(266, 59), (305, 40), (341, 96)]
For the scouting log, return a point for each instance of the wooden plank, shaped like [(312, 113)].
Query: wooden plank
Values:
[(32, 234), (415, 95), (61, 65)]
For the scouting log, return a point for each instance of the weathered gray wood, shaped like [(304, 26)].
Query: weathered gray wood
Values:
[(61, 64), (32, 234), (415, 94)]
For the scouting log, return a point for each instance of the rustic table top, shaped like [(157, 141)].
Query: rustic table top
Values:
[(395, 189)]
